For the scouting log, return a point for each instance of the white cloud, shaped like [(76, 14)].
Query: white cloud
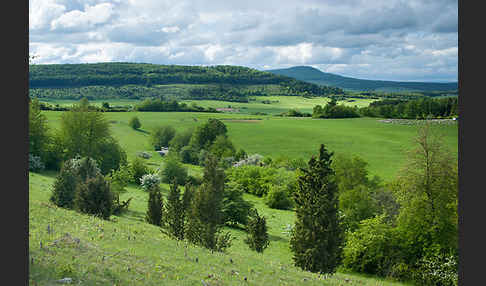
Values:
[(83, 20), (393, 39)]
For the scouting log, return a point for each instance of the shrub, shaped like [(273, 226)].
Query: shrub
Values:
[(65, 186), (161, 136), (437, 269), (35, 163), (253, 160), (134, 123), (94, 196), (257, 237), (188, 155), (181, 140), (235, 208), (373, 248), (278, 198), (155, 206), (149, 180), (138, 169), (173, 170)]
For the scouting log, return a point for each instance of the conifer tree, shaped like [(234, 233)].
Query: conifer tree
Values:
[(155, 206), (174, 215), (257, 237), (317, 238), (205, 219)]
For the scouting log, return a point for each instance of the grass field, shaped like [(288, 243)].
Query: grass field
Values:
[(128, 251), (278, 104), (382, 145)]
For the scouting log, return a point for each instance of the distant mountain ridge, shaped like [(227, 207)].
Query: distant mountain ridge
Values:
[(313, 75)]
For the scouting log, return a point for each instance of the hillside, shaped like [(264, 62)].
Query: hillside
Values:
[(136, 80), (313, 75)]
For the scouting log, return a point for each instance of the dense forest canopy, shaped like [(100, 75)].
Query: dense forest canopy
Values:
[(119, 74)]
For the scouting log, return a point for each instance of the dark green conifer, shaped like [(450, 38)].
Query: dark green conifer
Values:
[(316, 239)]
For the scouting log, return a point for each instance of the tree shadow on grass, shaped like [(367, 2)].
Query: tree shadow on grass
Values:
[(133, 215), (142, 131), (275, 238)]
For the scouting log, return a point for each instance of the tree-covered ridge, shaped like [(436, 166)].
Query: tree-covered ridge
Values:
[(313, 75), (118, 74)]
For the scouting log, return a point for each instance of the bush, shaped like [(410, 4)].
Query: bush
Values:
[(437, 269), (134, 123), (373, 248), (257, 237), (161, 136), (94, 196), (278, 198), (35, 163), (181, 140), (173, 170), (188, 155), (149, 180), (138, 169), (65, 186), (235, 208), (252, 160), (252, 179)]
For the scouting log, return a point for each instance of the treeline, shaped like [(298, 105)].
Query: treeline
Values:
[(422, 108), (119, 74), (333, 110), (162, 105), (413, 109), (97, 92)]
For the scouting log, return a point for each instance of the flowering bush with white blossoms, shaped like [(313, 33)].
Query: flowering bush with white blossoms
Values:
[(149, 180), (253, 159)]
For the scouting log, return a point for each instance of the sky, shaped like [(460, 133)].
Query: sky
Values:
[(413, 40)]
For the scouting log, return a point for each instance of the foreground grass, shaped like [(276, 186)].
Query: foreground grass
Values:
[(128, 251)]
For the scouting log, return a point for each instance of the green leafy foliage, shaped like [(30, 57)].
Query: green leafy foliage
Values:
[(173, 170), (373, 248), (138, 168), (135, 123), (317, 238), (85, 132), (161, 136), (93, 196), (235, 208)]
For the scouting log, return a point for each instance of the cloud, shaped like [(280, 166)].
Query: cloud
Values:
[(393, 39), (77, 20)]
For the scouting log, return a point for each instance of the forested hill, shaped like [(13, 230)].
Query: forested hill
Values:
[(119, 74), (313, 75)]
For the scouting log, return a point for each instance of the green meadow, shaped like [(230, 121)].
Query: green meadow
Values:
[(382, 145), (125, 250)]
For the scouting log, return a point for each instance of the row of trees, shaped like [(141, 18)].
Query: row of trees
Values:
[(413, 109), (333, 110)]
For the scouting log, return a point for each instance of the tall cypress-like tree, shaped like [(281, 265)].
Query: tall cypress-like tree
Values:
[(155, 206), (205, 219), (174, 212), (316, 239)]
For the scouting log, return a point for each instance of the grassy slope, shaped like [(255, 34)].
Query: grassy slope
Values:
[(382, 145), (106, 256)]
